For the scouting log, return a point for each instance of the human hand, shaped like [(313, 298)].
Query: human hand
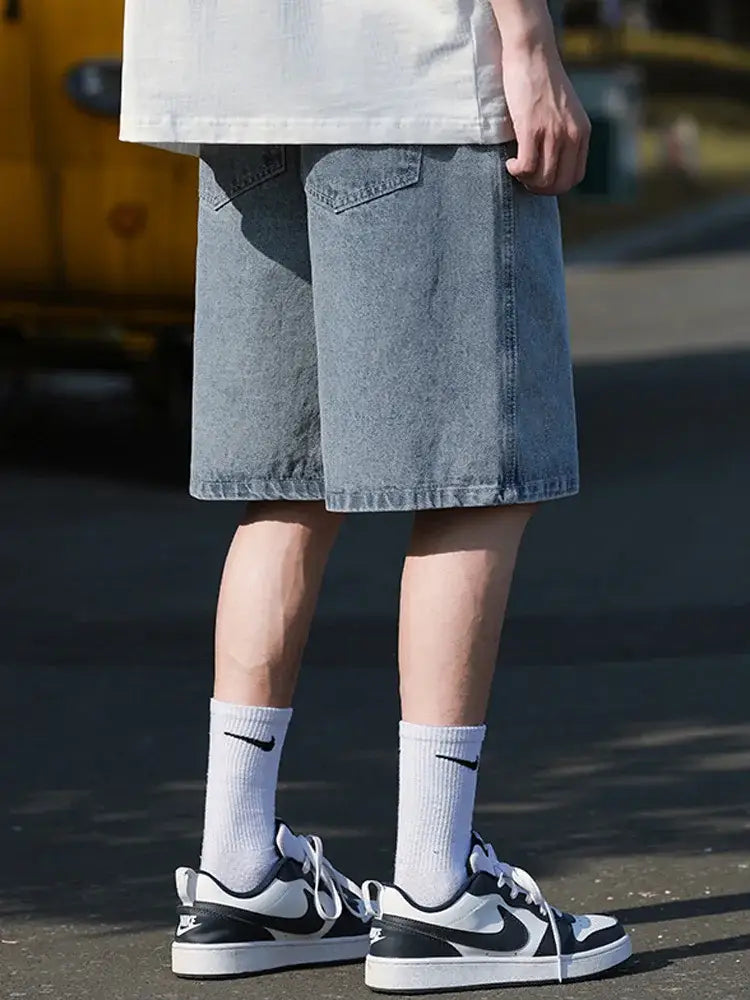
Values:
[(551, 126)]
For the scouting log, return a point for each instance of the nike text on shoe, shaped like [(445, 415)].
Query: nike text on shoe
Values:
[(497, 930), (304, 913)]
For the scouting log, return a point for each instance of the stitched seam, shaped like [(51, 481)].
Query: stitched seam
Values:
[(407, 174), (390, 489), (290, 482), (250, 179), (511, 319), (422, 487), (333, 122)]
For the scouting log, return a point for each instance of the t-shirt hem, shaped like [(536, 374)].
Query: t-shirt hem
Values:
[(187, 136)]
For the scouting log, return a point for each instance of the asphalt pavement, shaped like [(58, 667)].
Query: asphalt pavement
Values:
[(618, 755)]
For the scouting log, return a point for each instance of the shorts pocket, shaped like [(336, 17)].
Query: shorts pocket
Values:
[(341, 177), (229, 171)]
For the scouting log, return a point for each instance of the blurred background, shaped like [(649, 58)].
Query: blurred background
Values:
[(96, 265), (617, 762)]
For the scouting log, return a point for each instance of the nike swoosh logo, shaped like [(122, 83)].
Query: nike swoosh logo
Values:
[(260, 744), (512, 938), (309, 923), (471, 764)]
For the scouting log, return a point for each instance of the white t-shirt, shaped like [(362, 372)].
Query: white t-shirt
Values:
[(312, 71)]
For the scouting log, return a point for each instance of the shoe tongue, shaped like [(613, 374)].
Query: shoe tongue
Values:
[(288, 844), (479, 859)]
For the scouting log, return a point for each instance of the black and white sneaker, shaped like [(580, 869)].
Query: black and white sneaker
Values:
[(497, 930), (304, 913)]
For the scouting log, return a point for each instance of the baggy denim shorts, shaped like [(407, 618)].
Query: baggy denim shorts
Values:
[(379, 327)]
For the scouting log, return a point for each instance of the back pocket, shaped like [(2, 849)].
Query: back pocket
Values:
[(341, 177), (226, 172)]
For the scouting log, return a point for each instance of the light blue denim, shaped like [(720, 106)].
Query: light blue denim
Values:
[(380, 327)]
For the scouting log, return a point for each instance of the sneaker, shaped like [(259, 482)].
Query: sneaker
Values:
[(497, 930), (304, 913)]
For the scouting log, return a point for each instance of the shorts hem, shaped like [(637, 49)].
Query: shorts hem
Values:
[(436, 497), (427, 497), (257, 489)]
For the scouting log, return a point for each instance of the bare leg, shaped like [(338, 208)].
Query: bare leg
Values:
[(453, 595), (270, 586), (269, 590), (454, 592)]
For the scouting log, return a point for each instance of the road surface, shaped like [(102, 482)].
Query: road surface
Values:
[(617, 763)]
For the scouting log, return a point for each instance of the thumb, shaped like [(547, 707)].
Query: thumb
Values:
[(526, 161)]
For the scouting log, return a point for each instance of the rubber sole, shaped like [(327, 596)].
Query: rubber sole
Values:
[(222, 961), (431, 975)]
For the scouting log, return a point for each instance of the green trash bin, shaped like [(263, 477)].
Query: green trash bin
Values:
[(612, 99)]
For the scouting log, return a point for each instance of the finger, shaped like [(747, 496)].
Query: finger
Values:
[(567, 172), (526, 162), (543, 180), (583, 160)]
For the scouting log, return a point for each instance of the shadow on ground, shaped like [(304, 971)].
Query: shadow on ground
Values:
[(104, 783), (619, 721)]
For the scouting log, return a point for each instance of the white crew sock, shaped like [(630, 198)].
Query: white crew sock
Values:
[(435, 809), (240, 817)]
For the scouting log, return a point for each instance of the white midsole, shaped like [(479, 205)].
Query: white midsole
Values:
[(259, 956), (410, 975)]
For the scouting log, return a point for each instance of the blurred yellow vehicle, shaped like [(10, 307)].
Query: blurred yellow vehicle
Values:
[(98, 236)]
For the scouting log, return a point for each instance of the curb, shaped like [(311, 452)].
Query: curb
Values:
[(663, 236)]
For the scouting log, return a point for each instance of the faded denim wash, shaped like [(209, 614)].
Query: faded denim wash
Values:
[(380, 327)]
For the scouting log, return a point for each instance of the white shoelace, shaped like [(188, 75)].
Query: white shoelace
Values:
[(328, 878), (520, 882), (372, 902)]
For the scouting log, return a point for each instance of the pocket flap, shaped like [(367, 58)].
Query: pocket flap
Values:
[(340, 177), (228, 171)]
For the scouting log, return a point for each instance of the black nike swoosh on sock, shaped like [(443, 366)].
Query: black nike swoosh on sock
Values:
[(512, 938), (471, 764), (260, 744)]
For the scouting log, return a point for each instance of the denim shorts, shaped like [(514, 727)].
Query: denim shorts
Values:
[(379, 327)]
